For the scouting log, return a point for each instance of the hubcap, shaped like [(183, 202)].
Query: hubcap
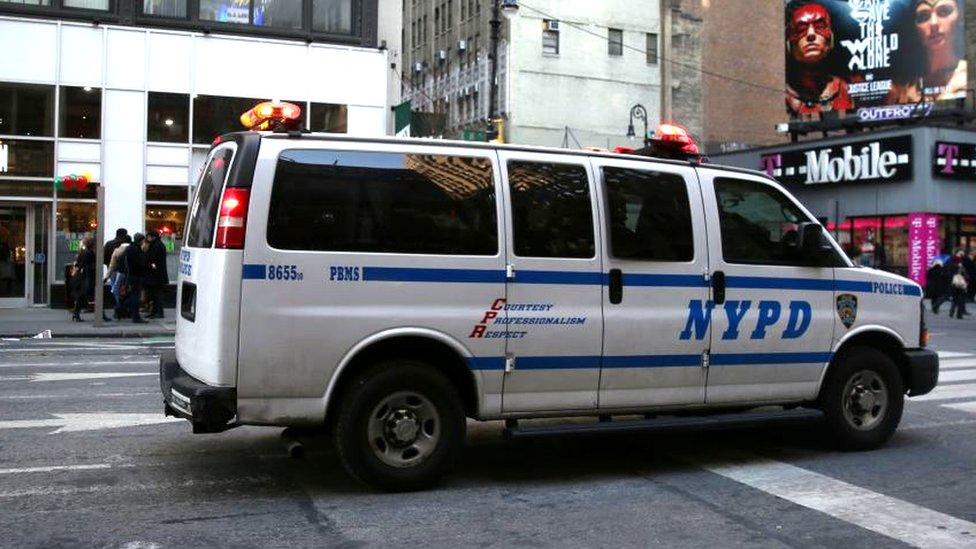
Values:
[(403, 429), (865, 400)]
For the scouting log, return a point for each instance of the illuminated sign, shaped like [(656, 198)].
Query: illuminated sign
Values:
[(873, 161), (954, 161)]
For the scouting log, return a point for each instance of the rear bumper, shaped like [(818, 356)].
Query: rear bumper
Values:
[(210, 409), (923, 371)]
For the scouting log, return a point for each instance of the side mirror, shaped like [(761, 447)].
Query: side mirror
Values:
[(813, 242)]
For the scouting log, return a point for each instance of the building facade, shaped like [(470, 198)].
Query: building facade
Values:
[(132, 97), (569, 71)]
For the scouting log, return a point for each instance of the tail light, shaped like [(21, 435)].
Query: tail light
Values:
[(923, 329), (232, 220)]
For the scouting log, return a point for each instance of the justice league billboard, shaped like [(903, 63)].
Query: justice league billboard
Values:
[(875, 57)]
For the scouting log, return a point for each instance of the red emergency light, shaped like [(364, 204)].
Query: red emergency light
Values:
[(271, 114), (675, 139)]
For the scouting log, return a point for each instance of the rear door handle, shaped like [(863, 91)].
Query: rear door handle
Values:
[(616, 286), (718, 287)]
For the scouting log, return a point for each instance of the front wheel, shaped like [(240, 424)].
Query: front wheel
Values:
[(862, 399), (400, 426)]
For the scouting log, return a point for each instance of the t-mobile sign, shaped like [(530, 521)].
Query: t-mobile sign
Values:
[(954, 161), (924, 244), (874, 161)]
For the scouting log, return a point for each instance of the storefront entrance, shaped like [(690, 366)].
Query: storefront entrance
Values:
[(23, 254)]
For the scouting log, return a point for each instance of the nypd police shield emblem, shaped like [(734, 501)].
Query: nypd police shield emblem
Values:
[(847, 309)]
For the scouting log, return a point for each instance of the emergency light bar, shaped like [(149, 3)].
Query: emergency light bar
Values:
[(271, 115), (675, 138)]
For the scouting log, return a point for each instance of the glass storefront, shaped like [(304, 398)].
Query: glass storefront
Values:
[(75, 221), (168, 221)]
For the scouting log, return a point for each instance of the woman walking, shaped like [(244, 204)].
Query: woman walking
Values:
[(83, 277), (960, 285)]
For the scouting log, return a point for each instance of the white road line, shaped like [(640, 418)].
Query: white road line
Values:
[(949, 392), (957, 364), (888, 516), (55, 468), (957, 375), (149, 488), (951, 354), (962, 406), (47, 376), (75, 396), (78, 364)]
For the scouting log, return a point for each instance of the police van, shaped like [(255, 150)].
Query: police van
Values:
[(388, 289)]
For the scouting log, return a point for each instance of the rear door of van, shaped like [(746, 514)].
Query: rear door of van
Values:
[(351, 242), (209, 284)]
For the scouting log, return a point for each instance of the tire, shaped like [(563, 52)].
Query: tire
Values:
[(400, 426), (862, 399)]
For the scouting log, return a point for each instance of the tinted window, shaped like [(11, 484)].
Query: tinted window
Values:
[(332, 16), (81, 112), (284, 14), (552, 214), (650, 218), (326, 117), (26, 109), (27, 158), (383, 202), (203, 214), (165, 8), (86, 4), (758, 223), (168, 117), (214, 115)]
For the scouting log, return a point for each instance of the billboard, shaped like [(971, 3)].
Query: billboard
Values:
[(871, 56)]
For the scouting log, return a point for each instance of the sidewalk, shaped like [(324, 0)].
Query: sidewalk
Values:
[(32, 321)]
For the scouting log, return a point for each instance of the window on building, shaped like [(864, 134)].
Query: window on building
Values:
[(281, 14), (550, 37), (437, 21), (616, 42), (39, 189), (226, 11), (215, 115), (383, 203), (652, 48), (172, 194), (165, 8), (26, 109), (650, 216), (28, 158), (101, 5), (329, 118), (332, 16), (28, 2), (81, 112), (166, 214), (552, 212), (450, 14), (168, 117), (75, 221)]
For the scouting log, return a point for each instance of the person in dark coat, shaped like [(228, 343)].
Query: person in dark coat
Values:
[(960, 283), (111, 245), (157, 276), (936, 286), (134, 268), (83, 277), (969, 264), (956, 264)]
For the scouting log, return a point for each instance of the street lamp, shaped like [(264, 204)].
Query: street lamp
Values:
[(640, 113), (506, 8)]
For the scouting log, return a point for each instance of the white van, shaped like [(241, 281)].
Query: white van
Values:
[(387, 289)]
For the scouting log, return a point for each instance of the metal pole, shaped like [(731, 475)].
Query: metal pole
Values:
[(100, 257), (495, 37)]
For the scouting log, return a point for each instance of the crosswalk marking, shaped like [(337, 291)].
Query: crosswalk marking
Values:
[(951, 354), (888, 516), (950, 392), (957, 375), (962, 406), (957, 364)]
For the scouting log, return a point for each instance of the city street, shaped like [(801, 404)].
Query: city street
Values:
[(87, 459)]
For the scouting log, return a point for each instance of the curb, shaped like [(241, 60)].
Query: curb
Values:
[(115, 334)]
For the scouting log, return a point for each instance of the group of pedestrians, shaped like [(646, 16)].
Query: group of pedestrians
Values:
[(952, 282), (136, 274)]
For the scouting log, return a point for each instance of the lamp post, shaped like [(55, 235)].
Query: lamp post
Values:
[(640, 113), (508, 8)]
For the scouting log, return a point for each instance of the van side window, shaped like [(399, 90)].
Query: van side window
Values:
[(383, 203), (203, 213), (552, 213), (650, 217), (758, 223)]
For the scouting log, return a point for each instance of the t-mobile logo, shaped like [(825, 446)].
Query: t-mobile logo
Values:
[(771, 163), (949, 153)]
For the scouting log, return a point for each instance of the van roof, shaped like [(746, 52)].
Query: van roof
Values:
[(489, 146)]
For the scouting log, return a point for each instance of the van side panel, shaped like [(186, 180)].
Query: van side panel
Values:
[(303, 311)]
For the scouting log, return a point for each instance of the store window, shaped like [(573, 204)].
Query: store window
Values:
[(865, 240), (282, 14), (168, 117), (101, 5), (75, 221), (165, 8), (215, 115), (168, 220), (329, 118), (893, 253), (26, 158), (81, 112), (26, 109), (36, 189), (166, 193), (332, 16)]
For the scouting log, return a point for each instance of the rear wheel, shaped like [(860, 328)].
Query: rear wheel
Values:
[(862, 399), (400, 426)]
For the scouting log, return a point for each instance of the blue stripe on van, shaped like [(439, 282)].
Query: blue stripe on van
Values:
[(774, 283), (254, 272), (663, 280), (646, 361), (559, 277), (401, 274)]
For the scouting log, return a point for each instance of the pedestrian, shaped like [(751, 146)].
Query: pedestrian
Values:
[(134, 268), (960, 287), (936, 286), (82, 281), (121, 235), (969, 262), (117, 277), (157, 276), (956, 263)]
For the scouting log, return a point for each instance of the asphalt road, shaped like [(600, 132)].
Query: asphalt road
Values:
[(86, 459)]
